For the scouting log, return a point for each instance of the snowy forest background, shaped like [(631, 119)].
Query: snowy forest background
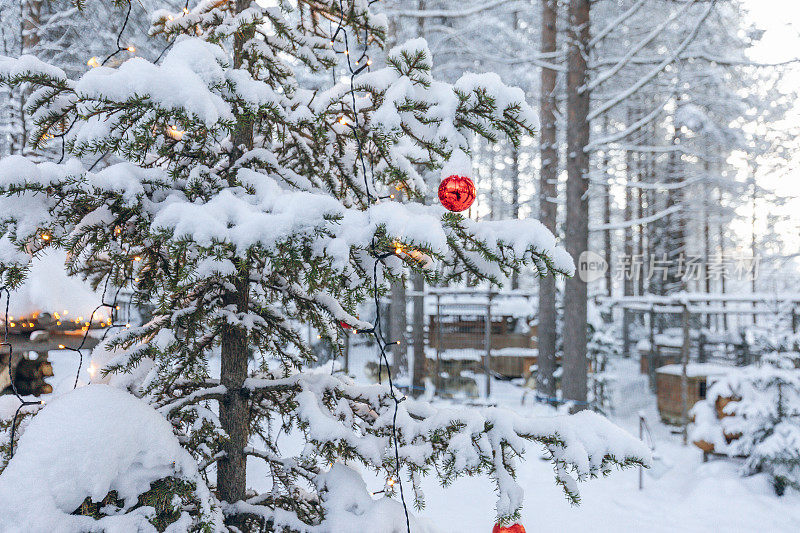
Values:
[(667, 137)]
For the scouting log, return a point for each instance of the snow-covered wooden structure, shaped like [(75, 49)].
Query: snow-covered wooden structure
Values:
[(669, 388), (475, 328)]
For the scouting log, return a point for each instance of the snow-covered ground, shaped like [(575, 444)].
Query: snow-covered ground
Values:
[(681, 493)]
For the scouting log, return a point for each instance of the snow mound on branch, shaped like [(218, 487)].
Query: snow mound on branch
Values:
[(89, 442), (350, 507)]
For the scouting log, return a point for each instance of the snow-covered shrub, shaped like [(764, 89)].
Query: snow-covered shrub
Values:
[(98, 458), (754, 412)]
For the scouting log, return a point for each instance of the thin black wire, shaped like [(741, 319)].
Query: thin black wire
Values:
[(376, 330), (22, 401), (119, 35)]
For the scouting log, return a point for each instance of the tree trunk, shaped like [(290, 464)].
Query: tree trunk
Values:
[(515, 178), (515, 202), (418, 335), (607, 252), (577, 227), (31, 19), (545, 382), (397, 327), (234, 410)]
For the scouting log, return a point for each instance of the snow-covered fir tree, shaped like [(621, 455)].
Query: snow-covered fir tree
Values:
[(248, 201), (754, 412)]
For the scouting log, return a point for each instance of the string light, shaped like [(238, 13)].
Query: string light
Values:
[(131, 49), (93, 62), (175, 133), (376, 330)]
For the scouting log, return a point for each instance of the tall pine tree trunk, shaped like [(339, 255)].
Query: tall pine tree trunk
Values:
[(30, 20), (607, 252), (577, 227), (234, 410), (418, 334), (515, 202), (545, 382), (418, 285), (397, 327)]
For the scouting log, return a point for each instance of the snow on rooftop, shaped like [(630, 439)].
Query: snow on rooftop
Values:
[(694, 370), (475, 304)]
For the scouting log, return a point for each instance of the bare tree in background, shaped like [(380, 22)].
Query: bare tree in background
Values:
[(577, 221), (545, 382)]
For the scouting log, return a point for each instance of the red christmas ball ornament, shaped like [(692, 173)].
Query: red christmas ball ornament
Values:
[(457, 193), (516, 528)]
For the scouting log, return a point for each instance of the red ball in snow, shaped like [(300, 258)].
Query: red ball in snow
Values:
[(457, 193), (516, 528)]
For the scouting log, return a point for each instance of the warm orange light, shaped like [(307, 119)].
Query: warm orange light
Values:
[(137, 258), (93, 62), (131, 49), (175, 133), (61, 346), (13, 324)]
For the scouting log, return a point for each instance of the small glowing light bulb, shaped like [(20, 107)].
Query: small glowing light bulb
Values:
[(174, 133), (61, 346), (369, 61), (93, 62), (343, 121), (137, 258), (131, 49)]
